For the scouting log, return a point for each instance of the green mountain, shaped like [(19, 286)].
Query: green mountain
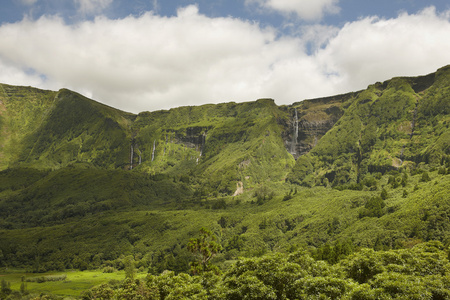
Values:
[(401, 123), (82, 185)]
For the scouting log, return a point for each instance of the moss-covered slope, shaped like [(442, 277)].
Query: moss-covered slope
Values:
[(222, 144), (45, 129)]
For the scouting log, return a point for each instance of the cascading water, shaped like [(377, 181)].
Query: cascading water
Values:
[(140, 156), (153, 151), (203, 137), (131, 158), (295, 133)]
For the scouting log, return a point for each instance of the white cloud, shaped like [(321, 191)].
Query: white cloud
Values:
[(304, 9), (152, 62), (88, 7), (373, 49), (11, 74)]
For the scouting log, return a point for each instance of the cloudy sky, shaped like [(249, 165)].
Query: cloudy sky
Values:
[(145, 55)]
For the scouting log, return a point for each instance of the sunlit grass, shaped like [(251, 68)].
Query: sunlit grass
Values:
[(75, 283)]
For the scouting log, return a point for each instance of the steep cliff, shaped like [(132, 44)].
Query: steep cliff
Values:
[(312, 119), (222, 144), (401, 123)]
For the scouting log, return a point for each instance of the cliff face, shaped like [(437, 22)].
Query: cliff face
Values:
[(397, 123), (400, 123), (310, 120), (212, 141)]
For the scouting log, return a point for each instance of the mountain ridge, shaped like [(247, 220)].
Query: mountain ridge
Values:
[(369, 168), (75, 128)]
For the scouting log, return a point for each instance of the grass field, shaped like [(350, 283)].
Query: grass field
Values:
[(75, 283)]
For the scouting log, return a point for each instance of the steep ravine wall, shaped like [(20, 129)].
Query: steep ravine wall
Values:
[(310, 120)]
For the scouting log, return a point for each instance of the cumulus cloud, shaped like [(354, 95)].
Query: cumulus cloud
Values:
[(304, 9), (152, 62), (374, 49)]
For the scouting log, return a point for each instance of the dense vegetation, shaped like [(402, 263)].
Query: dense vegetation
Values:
[(418, 273), (293, 189)]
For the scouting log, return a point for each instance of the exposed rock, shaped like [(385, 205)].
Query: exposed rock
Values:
[(193, 137), (239, 188), (310, 120)]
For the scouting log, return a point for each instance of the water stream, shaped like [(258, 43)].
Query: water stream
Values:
[(131, 158), (295, 133), (153, 151)]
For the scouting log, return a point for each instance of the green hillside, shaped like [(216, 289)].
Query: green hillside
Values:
[(399, 124), (87, 186)]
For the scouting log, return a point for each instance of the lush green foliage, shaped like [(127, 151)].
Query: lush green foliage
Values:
[(421, 272), (205, 247), (400, 123), (85, 186)]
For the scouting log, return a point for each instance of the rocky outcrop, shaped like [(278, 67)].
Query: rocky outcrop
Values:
[(310, 120), (192, 137)]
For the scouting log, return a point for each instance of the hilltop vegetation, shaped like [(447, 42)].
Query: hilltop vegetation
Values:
[(86, 186)]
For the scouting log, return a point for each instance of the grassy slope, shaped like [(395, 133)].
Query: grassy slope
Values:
[(79, 129), (311, 218), (22, 109), (46, 129), (220, 144)]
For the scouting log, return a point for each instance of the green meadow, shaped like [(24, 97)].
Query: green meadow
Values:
[(68, 284)]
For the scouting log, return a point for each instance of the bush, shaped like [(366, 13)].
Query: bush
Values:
[(109, 270), (425, 177), (43, 279), (373, 208)]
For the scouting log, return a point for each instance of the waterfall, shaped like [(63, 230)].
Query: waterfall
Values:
[(153, 151), (203, 143), (140, 156), (295, 133), (131, 158)]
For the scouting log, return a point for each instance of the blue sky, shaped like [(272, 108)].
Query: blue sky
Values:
[(141, 55)]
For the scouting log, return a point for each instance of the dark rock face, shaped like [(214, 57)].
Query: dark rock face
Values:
[(311, 132), (310, 120), (192, 137)]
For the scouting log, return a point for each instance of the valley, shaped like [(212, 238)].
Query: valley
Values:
[(84, 186)]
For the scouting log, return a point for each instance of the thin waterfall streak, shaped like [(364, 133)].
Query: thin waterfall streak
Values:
[(131, 158), (153, 151), (140, 156), (295, 133)]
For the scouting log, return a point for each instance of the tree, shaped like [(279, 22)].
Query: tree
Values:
[(182, 286), (130, 271), (205, 247), (103, 291), (404, 179), (23, 286), (425, 177), (373, 208), (5, 289)]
